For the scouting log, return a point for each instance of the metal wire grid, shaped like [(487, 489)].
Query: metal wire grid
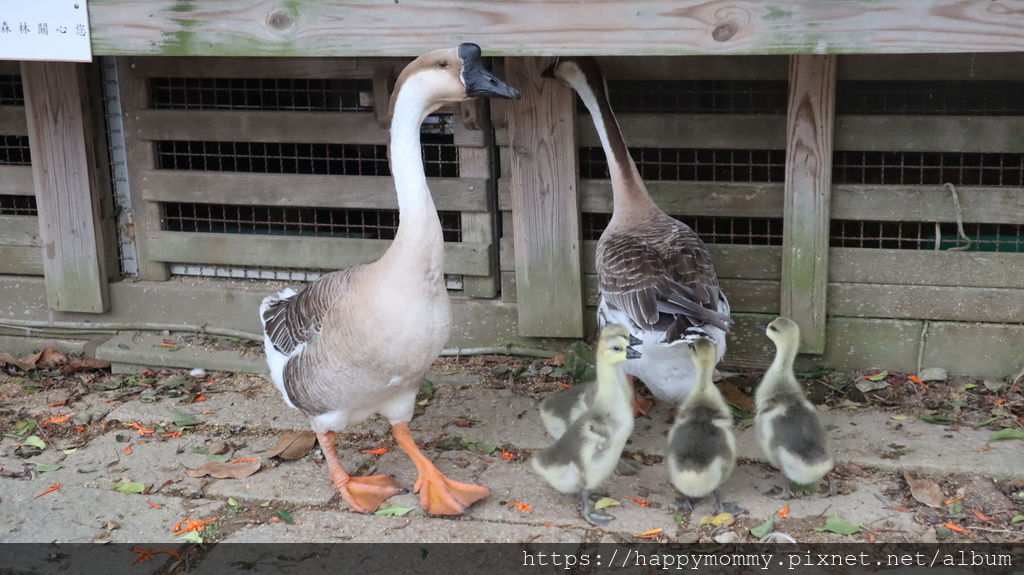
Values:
[(688, 164), (712, 230), (922, 236), (317, 222), (934, 168), (14, 151), (698, 96), (11, 93), (18, 206), (969, 98), (307, 95), (452, 282)]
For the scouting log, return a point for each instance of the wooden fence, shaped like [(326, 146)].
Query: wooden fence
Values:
[(20, 247)]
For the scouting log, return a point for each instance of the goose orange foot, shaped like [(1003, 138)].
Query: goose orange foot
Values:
[(439, 495), (363, 494)]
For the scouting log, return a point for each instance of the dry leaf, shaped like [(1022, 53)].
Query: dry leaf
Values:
[(925, 490), (49, 359), (222, 470), (293, 445), (605, 502), (77, 364), (735, 397), (23, 365)]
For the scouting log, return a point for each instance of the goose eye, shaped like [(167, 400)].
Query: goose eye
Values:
[(773, 328), (617, 348), (442, 63)]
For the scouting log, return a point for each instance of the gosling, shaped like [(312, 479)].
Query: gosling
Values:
[(701, 445), (588, 450), (787, 425)]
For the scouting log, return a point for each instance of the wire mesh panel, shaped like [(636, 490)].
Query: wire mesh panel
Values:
[(965, 98), (11, 93), (292, 94), (712, 230), (18, 205), (927, 168), (14, 151), (925, 236), (697, 96), (674, 164)]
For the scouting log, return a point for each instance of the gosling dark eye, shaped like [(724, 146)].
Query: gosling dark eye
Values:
[(442, 63), (617, 348), (773, 328)]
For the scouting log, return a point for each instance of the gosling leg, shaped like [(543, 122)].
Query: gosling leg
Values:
[(591, 515), (685, 503), (627, 467), (727, 507)]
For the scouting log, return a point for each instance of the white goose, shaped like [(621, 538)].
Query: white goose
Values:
[(359, 341), (654, 273)]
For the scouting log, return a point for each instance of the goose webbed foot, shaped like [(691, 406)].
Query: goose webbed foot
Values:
[(439, 495), (685, 503), (596, 496), (627, 466), (783, 492), (363, 494), (591, 515), (727, 507)]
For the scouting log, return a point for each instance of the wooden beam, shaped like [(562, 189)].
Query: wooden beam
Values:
[(993, 205), (743, 131), (740, 200), (21, 260), (304, 190), (812, 97), (545, 211), (297, 68), (297, 251), (895, 133), (528, 28), (926, 268), (62, 135), (479, 227), (928, 67), (19, 231), (16, 181)]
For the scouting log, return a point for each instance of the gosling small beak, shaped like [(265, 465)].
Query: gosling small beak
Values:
[(632, 353), (634, 340), (481, 83), (762, 326)]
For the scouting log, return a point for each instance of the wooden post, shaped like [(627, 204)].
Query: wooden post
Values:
[(62, 136), (545, 210), (812, 96), (475, 162)]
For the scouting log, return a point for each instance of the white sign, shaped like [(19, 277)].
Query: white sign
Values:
[(45, 30)]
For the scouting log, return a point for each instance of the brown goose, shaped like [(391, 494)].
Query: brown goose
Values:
[(358, 341), (654, 273)]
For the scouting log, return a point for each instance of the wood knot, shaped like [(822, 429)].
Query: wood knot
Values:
[(280, 20), (724, 31)]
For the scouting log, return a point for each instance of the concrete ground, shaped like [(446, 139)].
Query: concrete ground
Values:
[(476, 429)]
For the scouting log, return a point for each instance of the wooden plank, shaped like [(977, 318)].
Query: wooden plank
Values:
[(731, 261), (298, 251), (526, 28), (930, 133), (141, 156), (246, 126), (12, 121), (16, 181), (926, 268), (545, 208), (21, 260), (745, 200), (19, 231), (62, 136), (925, 67), (996, 305), (479, 227), (974, 349), (265, 68), (742, 131), (812, 91), (304, 190), (996, 205)]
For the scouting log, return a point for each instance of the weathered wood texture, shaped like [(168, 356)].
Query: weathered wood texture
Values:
[(16, 181), (354, 28), (20, 247), (478, 225), (66, 178), (812, 92), (545, 210), (12, 121)]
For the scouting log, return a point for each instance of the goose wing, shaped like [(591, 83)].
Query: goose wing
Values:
[(297, 318), (660, 267)]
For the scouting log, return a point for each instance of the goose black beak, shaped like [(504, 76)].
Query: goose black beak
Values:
[(762, 326), (634, 340), (481, 83), (632, 353)]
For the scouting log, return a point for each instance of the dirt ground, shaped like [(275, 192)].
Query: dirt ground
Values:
[(54, 409)]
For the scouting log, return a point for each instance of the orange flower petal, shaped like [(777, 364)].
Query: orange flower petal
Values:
[(521, 506), (51, 489), (784, 512), (128, 450), (640, 502), (981, 516), (244, 459), (154, 505), (649, 534), (378, 451), (955, 527), (915, 379)]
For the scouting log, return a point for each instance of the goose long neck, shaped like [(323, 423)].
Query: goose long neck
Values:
[(780, 373), (628, 191), (611, 384), (419, 222)]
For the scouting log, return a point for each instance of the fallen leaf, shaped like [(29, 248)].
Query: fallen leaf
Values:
[(925, 490), (1008, 433), (606, 502), (183, 419), (877, 376), (640, 502), (836, 524), (899, 417), (735, 397), (285, 515), (901, 509), (521, 506), (154, 505), (190, 525), (129, 487), (23, 365), (393, 511), (1017, 519), (245, 459), (78, 364), (981, 516), (223, 470), (764, 528), (649, 534), (51, 489), (914, 378), (44, 467), (955, 527), (719, 520), (871, 537), (378, 451), (293, 445), (784, 512), (35, 441), (938, 419)]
